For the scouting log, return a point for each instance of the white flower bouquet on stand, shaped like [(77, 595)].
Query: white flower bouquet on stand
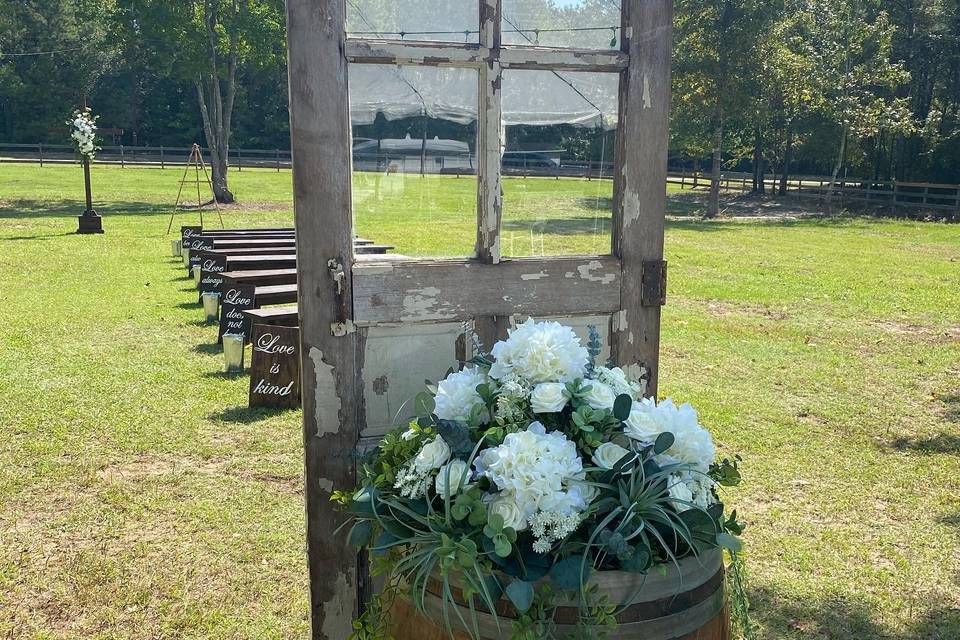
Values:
[(83, 133), (528, 471)]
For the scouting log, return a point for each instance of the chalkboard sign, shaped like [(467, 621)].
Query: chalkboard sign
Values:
[(235, 300), (211, 268), (275, 367), (197, 244), (189, 232)]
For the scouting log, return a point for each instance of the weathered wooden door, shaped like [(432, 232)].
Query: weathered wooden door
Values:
[(343, 302)]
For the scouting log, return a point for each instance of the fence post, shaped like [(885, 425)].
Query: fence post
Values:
[(122, 165), (893, 197), (161, 157), (41, 154), (278, 160), (239, 160)]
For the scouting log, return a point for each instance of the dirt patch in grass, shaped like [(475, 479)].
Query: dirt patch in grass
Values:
[(932, 335)]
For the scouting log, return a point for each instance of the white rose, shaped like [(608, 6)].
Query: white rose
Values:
[(548, 397), (598, 395), (433, 455), (679, 493), (452, 477), (608, 455), (641, 425), (512, 515)]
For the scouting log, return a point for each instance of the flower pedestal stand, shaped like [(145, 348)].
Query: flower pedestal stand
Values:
[(90, 221)]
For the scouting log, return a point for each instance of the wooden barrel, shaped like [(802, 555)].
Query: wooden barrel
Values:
[(688, 604)]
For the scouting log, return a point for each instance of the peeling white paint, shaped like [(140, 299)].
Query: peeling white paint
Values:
[(619, 320), (338, 610), (422, 304), (647, 100), (631, 203), (326, 485), (341, 329), (534, 276), (325, 396), (569, 274), (586, 273)]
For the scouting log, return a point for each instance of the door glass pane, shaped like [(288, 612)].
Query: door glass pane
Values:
[(581, 24), (557, 163), (414, 158), (424, 20)]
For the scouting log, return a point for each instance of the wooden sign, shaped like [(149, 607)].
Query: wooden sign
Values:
[(236, 298), (211, 268), (196, 244), (187, 233), (275, 367)]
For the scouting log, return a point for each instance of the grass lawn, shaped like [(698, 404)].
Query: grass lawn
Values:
[(140, 499)]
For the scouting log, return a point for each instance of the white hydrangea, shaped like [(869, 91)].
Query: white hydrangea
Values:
[(692, 444), (457, 395), (538, 352), (536, 471), (616, 379)]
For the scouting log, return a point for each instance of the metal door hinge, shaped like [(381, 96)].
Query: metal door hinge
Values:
[(653, 283)]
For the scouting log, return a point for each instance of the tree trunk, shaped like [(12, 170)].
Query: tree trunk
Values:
[(758, 185), (787, 159), (216, 107), (713, 203), (838, 165)]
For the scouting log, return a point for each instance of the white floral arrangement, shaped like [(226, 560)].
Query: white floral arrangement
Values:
[(83, 132), (532, 467)]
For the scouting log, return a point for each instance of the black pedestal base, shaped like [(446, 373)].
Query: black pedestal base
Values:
[(90, 222)]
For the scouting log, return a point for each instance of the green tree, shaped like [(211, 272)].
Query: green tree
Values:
[(205, 42)]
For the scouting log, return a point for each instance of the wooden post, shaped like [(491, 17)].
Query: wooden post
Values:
[(489, 194), (162, 166), (90, 221), (639, 193), (278, 160), (41, 155), (320, 136)]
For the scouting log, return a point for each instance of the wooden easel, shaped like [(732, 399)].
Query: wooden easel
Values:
[(195, 160)]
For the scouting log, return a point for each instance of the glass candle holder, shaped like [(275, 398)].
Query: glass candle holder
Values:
[(232, 353), (175, 248), (185, 252), (196, 275), (211, 305)]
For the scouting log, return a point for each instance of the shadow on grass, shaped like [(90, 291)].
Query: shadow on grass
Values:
[(189, 305), (60, 208), (951, 406), (941, 443), (208, 349), (47, 236), (842, 617), (246, 415)]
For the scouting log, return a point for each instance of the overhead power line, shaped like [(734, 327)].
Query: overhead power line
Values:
[(38, 53)]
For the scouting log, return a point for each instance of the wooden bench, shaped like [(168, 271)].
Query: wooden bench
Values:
[(285, 316)]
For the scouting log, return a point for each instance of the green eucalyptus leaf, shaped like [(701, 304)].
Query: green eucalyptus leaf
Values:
[(664, 441), (566, 573), (730, 542), (424, 404), (520, 594), (622, 406)]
